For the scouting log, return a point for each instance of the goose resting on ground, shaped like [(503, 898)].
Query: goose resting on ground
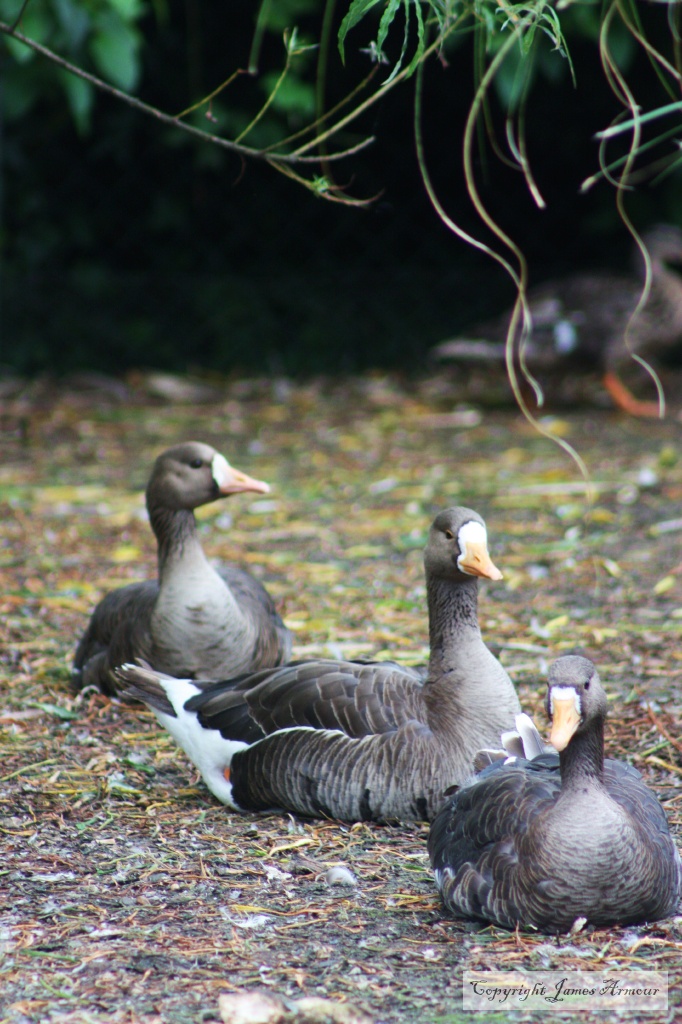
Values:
[(352, 740), (583, 319), (542, 843), (195, 620)]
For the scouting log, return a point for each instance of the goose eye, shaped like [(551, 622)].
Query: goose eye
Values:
[(587, 685), (449, 534), (196, 463)]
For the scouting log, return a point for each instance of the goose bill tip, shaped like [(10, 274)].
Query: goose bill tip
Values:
[(236, 482), (475, 561)]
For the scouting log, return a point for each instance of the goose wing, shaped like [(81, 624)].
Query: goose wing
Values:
[(326, 773), (626, 786), (475, 840), (118, 632), (503, 799), (337, 739), (272, 645), (352, 697)]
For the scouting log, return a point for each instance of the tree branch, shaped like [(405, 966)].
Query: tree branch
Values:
[(277, 160)]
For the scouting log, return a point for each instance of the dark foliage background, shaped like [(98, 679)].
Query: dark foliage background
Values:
[(133, 245)]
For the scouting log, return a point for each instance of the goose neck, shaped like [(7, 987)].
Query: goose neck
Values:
[(453, 619), (583, 759), (175, 531)]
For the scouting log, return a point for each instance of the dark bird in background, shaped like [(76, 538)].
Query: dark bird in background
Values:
[(194, 620), (592, 319), (358, 741), (543, 843)]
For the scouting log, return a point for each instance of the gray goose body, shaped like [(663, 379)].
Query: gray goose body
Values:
[(538, 844), (194, 620), (352, 740), (586, 318)]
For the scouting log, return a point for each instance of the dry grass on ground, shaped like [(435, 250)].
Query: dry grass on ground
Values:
[(130, 895)]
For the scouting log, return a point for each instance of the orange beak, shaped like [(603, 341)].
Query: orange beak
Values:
[(565, 720), (477, 562), (235, 482)]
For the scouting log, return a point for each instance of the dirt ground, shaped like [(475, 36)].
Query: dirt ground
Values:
[(129, 894)]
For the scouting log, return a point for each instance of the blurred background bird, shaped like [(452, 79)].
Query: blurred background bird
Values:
[(594, 320)]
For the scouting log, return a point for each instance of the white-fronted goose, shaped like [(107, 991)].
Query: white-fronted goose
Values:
[(193, 621), (585, 319), (352, 740), (540, 844)]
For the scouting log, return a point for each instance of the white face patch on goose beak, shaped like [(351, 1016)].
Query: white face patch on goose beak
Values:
[(566, 710), (474, 559), (233, 481), (220, 468)]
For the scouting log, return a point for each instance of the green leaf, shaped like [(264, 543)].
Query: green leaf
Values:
[(512, 77), (81, 826), (139, 766), (22, 89), (114, 50), (421, 40), (73, 21), (36, 24), (356, 12), (80, 96), (293, 95), (54, 709), (387, 19), (128, 10)]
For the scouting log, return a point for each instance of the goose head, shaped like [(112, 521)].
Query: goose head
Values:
[(458, 547), (576, 700), (192, 474)]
